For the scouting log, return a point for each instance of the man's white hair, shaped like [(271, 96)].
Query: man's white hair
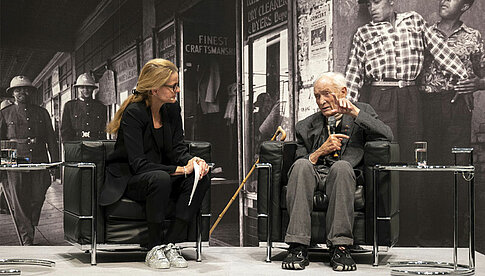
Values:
[(337, 80)]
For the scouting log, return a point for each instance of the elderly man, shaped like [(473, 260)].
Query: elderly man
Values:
[(30, 127), (387, 56), (316, 148), (84, 118)]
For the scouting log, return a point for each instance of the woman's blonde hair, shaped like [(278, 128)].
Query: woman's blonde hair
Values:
[(153, 75)]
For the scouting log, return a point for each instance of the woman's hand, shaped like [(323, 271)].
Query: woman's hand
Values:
[(189, 168), (204, 168)]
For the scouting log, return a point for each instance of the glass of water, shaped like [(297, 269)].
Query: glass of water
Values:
[(420, 153), (8, 152)]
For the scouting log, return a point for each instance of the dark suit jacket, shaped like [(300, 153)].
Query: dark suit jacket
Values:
[(137, 149), (28, 121), (366, 127), (80, 115)]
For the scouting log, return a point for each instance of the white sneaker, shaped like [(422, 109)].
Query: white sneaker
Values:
[(156, 258), (173, 255)]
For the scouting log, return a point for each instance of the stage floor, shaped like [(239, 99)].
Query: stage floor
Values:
[(216, 261)]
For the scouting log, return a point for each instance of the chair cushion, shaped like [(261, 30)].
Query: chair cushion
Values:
[(126, 208)]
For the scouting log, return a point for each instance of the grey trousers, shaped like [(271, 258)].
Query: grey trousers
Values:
[(340, 188)]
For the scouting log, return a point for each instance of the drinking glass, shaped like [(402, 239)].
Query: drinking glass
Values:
[(8, 152), (420, 153)]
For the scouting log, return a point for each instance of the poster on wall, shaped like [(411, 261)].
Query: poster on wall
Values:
[(318, 46), (107, 88), (314, 47), (126, 72)]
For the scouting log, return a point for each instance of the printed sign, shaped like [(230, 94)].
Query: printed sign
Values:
[(166, 41), (263, 15), (208, 40), (318, 32), (126, 72)]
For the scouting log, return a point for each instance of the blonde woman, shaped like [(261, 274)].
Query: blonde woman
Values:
[(151, 165)]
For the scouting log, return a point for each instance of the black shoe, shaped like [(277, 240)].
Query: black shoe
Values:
[(297, 257), (341, 259)]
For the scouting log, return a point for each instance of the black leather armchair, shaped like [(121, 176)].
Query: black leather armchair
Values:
[(121, 225), (276, 158)]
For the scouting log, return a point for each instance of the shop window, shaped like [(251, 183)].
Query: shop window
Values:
[(47, 89), (267, 101), (63, 73)]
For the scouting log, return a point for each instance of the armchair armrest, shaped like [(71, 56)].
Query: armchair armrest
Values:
[(202, 150), (80, 203), (382, 152), (280, 156)]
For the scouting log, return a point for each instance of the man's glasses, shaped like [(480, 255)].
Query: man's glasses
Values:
[(173, 86)]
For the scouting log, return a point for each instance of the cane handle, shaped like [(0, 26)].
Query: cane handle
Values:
[(278, 131)]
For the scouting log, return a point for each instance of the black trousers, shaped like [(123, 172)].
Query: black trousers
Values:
[(445, 125), (158, 188), (400, 109)]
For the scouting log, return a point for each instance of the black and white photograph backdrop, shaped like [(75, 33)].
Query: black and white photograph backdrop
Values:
[(245, 68)]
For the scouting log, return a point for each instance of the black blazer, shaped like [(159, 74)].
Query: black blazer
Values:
[(366, 127), (137, 150)]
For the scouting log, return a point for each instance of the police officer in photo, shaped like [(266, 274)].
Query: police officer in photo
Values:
[(84, 118), (3, 174), (30, 127)]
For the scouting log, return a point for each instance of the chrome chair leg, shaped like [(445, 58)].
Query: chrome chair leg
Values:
[(268, 215), (199, 238)]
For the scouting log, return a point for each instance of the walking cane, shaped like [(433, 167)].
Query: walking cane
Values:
[(283, 137)]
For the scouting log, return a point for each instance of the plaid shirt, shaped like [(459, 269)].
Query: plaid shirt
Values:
[(380, 51), (465, 42)]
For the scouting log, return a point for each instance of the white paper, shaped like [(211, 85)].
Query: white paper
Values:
[(196, 180)]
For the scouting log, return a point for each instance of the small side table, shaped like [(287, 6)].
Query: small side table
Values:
[(25, 168), (467, 172)]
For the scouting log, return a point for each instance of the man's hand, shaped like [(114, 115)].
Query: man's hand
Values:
[(333, 143), (344, 106), (465, 89), (469, 85)]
